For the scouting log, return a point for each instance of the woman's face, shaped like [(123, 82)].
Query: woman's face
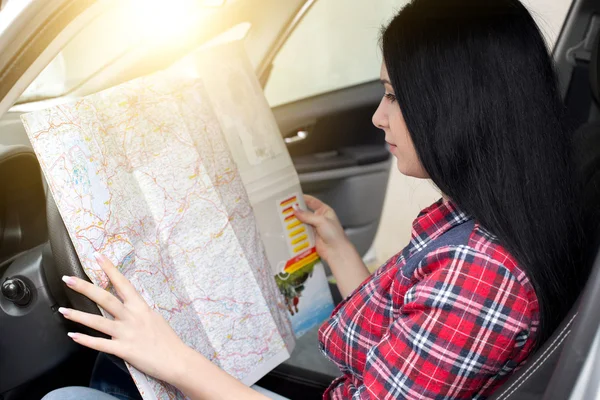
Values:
[(388, 118)]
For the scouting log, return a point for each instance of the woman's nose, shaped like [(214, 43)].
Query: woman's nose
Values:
[(379, 118)]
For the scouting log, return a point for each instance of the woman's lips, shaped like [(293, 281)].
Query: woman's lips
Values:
[(393, 148)]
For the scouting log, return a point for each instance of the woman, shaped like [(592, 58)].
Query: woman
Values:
[(470, 103)]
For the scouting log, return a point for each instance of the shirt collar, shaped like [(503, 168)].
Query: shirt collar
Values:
[(434, 220)]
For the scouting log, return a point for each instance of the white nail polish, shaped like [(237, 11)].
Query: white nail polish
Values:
[(69, 280)]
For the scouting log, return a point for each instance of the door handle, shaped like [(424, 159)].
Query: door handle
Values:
[(299, 136)]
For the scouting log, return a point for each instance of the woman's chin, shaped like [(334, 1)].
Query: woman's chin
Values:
[(410, 169), (402, 167)]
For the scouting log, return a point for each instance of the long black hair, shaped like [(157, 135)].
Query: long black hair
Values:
[(478, 92)]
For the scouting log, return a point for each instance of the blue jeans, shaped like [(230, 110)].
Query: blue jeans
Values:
[(83, 393), (110, 381), (78, 393)]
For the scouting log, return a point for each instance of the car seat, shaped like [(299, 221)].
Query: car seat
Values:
[(552, 371)]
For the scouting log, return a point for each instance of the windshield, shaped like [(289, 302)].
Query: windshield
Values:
[(137, 37)]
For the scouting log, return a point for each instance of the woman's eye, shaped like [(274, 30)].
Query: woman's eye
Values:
[(390, 97)]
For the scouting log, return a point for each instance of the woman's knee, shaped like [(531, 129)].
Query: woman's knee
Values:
[(77, 393)]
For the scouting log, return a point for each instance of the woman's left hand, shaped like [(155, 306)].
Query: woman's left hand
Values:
[(140, 335)]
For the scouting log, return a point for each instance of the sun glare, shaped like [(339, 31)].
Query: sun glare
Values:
[(168, 21)]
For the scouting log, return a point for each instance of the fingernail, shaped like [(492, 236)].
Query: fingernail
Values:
[(69, 280), (99, 257), (64, 311), (72, 335), (295, 207)]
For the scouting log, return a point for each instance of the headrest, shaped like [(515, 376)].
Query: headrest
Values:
[(594, 70)]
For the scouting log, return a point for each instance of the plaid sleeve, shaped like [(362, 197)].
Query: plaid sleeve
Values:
[(466, 321)]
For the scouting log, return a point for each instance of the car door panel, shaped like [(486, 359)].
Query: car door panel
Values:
[(338, 113), (356, 193), (342, 159)]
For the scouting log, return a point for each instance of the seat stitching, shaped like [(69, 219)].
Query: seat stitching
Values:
[(550, 348), (532, 372)]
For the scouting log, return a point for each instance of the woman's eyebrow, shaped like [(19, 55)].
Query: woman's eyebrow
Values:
[(385, 82)]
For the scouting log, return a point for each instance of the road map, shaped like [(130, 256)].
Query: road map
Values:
[(269, 177), (157, 175)]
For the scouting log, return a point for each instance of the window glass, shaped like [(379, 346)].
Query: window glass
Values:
[(334, 46), (135, 37), (550, 16)]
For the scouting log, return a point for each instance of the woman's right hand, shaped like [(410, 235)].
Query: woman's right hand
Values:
[(330, 236)]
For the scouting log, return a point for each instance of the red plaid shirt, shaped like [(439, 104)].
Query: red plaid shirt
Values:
[(454, 328)]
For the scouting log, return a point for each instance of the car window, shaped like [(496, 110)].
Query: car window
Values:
[(125, 29), (550, 16), (136, 37), (333, 47)]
